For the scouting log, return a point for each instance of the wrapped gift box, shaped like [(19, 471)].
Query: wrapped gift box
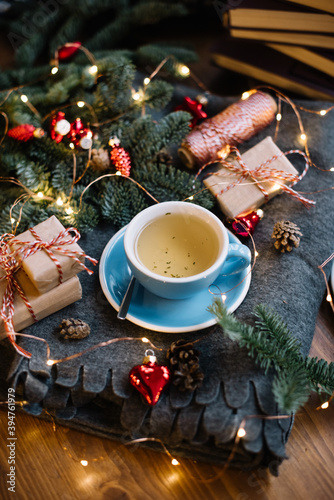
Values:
[(247, 196), (42, 304), (41, 270)]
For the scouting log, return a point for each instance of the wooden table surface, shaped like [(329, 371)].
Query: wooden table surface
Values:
[(45, 470)]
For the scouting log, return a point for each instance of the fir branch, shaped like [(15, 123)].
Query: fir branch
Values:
[(291, 390), (33, 47), (270, 344), (113, 94), (152, 12), (121, 202), (155, 53), (87, 218), (158, 94), (43, 165), (68, 31), (272, 325), (89, 8), (320, 374), (174, 127)]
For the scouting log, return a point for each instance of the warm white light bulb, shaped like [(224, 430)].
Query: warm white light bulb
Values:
[(303, 137), (69, 210), (324, 406), (93, 69), (145, 340), (80, 104), (40, 194), (136, 96), (84, 463), (184, 70), (24, 98), (278, 117), (12, 220), (60, 202), (329, 298), (241, 432), (50, 362), (332, 169), (190, 198), (175, 462), (71, 145), (323, 112), (147, 81), (256, 253), (118, 173), (245, 96)]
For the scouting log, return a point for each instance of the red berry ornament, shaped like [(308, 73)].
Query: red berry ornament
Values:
[(120, 158), (25, 132)]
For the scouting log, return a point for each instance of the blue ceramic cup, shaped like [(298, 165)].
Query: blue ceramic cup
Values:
[(150, 239)]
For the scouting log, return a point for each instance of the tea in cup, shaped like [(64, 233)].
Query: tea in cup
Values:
[(176, 249)]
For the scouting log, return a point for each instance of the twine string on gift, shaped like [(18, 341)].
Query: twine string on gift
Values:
[(10, 266), (25, 249), (261, 174)]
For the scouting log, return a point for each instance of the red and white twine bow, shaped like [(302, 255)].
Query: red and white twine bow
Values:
[(262, 173), (11, 261), (24, 249)]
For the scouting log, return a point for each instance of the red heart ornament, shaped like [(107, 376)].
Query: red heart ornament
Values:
[(150, 379)]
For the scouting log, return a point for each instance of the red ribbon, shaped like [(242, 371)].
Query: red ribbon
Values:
[(11, 261)]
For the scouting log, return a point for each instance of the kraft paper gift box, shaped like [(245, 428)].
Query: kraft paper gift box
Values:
[(41, 270), (247, 196), (42, 304)]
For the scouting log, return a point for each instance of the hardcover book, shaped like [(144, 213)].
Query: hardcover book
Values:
[(322, 60), (265, 64), (325, 5), (275, 15)]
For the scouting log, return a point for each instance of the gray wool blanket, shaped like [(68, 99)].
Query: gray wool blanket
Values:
[(93, 393)]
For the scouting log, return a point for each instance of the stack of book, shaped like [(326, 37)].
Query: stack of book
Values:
[(285, 43)]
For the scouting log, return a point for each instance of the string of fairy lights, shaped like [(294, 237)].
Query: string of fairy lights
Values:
[(138, 96)]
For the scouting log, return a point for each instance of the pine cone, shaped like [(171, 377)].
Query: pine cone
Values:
[(100, 160), (287, 235), (164, 158), (74, 329), (184, 361)]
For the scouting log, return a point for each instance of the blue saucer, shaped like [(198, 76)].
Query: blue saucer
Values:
[(164, 315)]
